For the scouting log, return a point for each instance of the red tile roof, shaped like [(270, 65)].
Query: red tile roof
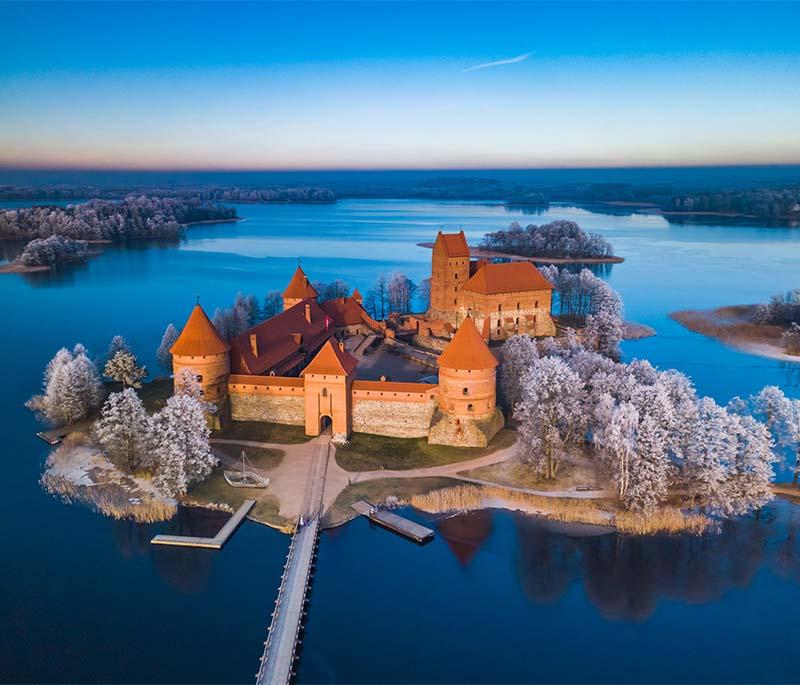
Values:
[(276, 341), (467, 350), (346, 311), (331, 361), (453, 244), (509, 277), (199, 337), (300, 287)]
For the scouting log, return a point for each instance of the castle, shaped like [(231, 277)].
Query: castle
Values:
[(294, 369)]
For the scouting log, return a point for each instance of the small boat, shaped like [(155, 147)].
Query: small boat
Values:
[(246, 478)]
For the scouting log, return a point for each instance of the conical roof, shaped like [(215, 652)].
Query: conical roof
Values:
[(357, 295), (300, 287), (467, 350), (331, 361), (199, 337)]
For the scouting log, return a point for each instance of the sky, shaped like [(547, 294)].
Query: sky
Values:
[(327, 85)]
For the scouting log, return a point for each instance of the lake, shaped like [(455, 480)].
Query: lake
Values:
[(496, 596)]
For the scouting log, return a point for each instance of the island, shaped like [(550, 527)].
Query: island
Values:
[(507, 391)]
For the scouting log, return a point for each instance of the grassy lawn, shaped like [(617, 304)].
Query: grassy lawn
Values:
[(376, 491), (258, 431), (263, 458), (215, 490), (371, 452)]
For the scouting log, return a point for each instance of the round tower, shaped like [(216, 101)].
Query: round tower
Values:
[(467, 375), (200, 348)]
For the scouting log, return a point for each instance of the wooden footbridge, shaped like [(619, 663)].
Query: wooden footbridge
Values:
[(283, 638)]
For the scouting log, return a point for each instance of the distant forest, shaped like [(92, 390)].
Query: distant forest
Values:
[(136, 216), (769, 204)]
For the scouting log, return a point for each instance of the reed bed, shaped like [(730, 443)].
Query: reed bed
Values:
[(461, 498)]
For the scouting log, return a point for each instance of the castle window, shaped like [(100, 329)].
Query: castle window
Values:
[(199, 379), (517, 321), (499, 307), (536, 304), (324, 392), (465, 391), (469, 407), (534, 318), (455, 301), (202, 392), (456, 276), (517, 305)]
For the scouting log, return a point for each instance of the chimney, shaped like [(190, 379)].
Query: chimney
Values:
[(341, 345), (308, 312), (254, 344)]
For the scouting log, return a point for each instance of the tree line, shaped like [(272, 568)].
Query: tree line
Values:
[(53, 250), (649, 429), (783, 310), (556, 239), (136, 216)]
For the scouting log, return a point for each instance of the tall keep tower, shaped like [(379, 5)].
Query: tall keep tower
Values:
[(468, 413), (449, 271), (299, 289), (200, 348)]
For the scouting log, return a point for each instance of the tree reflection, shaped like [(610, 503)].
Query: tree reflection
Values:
[(626, 577)]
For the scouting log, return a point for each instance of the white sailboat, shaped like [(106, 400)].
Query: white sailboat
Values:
[(246, 478)]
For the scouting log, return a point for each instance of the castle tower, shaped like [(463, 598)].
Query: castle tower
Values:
[(200, 348), (328, 390), (468, 413), (299, 289), (449, 271), (358, 297)]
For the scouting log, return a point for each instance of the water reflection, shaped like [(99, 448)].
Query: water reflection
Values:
[(626, 577), (466, 533)]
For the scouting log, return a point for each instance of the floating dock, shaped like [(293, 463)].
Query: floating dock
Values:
[(208, 543), (393, 522)]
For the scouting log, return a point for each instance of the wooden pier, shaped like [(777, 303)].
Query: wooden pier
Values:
[(208, 543), (283, 638), (393, 522)]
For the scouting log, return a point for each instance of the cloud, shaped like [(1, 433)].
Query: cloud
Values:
[(500, 62)]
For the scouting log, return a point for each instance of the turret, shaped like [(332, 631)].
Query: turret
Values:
[(467, 374), (358, 297), (200, 348), (299, 289)]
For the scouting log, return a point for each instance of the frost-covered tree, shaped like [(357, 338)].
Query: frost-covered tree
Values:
[(273, 304), (117, 344), (167, 341), (649, 471), (617, 441), (549, 415), (182, 453), (186, 383), (604, 332), (125, 432), (124, 368), (518, 354), (749, 481), (401, 290), (72, 388)]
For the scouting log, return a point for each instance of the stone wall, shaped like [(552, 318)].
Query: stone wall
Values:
[(464, 432), (428, 342), (398, 419), (272, 408)]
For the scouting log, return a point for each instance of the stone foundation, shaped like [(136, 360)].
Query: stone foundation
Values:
[(464, 431), (270, 408), (393, 419)]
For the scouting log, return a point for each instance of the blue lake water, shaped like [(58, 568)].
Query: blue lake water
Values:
[(496, 597)]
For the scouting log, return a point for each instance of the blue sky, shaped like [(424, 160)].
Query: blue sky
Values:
[(394, 85)]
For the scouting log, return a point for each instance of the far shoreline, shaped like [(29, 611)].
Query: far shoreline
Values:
[(493, 254)]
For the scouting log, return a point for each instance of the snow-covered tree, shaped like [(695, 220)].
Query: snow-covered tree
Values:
[(125, 432), (401, 290), (124, 368), (273, 304), (186, 383), (604, 332), (549, 415), (748, 486), (117, 344), (181, 452), (617, 441), (167, 341), (648, 477), (518, 354), (72, 388)]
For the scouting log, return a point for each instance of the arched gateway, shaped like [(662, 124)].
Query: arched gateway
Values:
[(328, 389)]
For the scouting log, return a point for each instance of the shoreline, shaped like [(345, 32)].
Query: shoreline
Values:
[(493, 254), (732, 326)]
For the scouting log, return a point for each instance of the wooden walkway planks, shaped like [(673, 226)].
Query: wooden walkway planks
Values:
[(283, 637), (208, 543), (393, 522)]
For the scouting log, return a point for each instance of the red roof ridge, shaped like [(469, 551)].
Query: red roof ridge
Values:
[(331, 361), (199, 337), (454, 244), (507, 277), (299, 286), (467, 350)]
